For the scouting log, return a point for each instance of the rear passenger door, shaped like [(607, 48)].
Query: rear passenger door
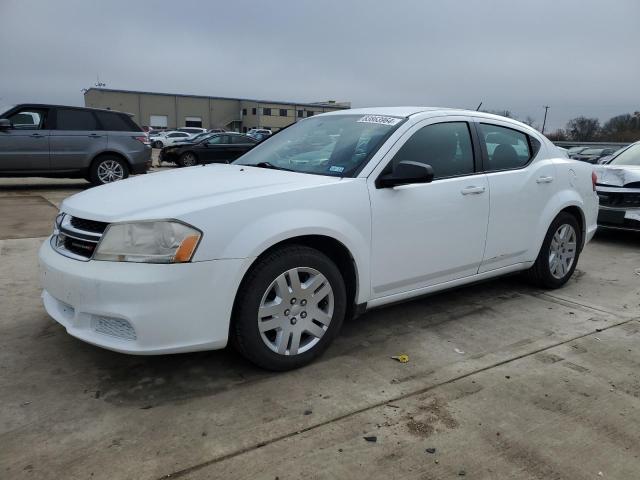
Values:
[(240, 144), (75, 139), (521, 182), (214, 149)]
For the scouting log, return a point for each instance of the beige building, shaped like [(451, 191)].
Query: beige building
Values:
[(165, 110)]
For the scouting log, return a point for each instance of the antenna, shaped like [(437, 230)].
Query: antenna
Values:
[(544, 122), (479, 106)]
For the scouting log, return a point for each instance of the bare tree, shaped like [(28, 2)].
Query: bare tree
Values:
[(529, 120), (583, 129)]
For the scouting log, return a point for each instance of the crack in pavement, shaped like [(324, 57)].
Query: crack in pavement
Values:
[(193, 468)]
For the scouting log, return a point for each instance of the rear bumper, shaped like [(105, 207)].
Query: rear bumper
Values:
[(141, 161), (141, 308)]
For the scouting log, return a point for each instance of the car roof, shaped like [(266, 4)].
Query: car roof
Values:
[(425, 112), (75, 107)]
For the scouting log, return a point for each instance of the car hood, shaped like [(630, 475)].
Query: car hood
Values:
[(618, 175), (177, 192)]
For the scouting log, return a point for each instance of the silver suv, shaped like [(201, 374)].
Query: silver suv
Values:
[(71, 142)]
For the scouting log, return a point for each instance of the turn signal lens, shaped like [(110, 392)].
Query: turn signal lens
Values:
[(186, 249), (594, 180)]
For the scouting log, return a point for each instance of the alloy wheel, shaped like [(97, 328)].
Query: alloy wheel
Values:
[(295, 311), (110, 171), (562, 251), (189, 160)]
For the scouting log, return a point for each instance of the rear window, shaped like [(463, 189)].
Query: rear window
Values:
[(71, 119), (507, 148), (117, 122)]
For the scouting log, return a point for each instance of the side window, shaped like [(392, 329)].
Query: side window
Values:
[(218, 140), (27, 119), (114, 122), (445, 146), (238, 139), (68, 119), (506, 148)]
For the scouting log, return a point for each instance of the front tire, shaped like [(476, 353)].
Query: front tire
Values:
[(157, 144), (559, 254), (289, 308), (188, 159), (107, 169)]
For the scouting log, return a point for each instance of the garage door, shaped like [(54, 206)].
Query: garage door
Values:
[(193, 122), (158, 121)]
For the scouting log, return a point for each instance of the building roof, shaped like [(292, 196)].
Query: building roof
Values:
[(338, 105)]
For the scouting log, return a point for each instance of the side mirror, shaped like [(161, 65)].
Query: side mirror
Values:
[(405, 173), (5, 124)]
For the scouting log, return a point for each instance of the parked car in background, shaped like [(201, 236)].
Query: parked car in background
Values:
[(192, 130), (71, 142), (193, 138), (169, 138), (259, 133), (607, 158), (273, 252), (592, 155), (214, 148), (619, 190), (575, 150), (217, 130)]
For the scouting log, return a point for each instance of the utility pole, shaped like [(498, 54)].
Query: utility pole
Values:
[(544, 122)]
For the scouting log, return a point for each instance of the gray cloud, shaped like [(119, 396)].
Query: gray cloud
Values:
[(578, 56)]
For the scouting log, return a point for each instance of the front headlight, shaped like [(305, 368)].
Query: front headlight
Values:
[(148, 242)]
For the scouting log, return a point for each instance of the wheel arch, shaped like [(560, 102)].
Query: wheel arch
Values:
[(332, 248)]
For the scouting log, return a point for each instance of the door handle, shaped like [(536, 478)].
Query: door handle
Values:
[(93, 135), (36, 135), (472, 190), (544, 180)]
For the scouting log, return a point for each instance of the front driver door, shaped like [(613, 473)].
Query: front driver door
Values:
[(213, 150), (25, 146), (426, 234)]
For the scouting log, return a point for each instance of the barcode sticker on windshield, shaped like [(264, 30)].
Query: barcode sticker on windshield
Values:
[(379, 119)]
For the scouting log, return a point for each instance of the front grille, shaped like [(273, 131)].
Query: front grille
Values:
[(114, 327), (620, 199), (77, 237), (88, 225)]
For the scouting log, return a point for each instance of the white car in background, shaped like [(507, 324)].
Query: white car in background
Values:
[(337, 214), (192, 130), (619, 190), (169, 138)]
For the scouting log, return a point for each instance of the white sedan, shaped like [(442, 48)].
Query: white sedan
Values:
[(337, 214), (169, 138)]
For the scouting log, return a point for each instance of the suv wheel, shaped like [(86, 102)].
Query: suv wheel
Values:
[(107, 170), (157, 144), (188, 159), (559, 254), (289, 308)]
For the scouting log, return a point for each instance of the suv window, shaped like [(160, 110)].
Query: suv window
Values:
[(506, 148), (445, 146), (241, 139), (177, 134), (70, 119), (28, 119), (116, 122)]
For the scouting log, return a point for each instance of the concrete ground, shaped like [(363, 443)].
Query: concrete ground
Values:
[(504, 382)]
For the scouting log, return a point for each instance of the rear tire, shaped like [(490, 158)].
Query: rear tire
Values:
[(157, 144), (289, 308), (108, 169), (559, 253)]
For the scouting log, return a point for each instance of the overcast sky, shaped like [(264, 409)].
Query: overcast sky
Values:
[(580, 57)]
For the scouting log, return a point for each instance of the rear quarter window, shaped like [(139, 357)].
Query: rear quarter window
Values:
[(117, 122), (507, 148)]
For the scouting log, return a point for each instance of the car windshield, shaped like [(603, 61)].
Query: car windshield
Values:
[(630, 156), (334, 145), (592, 151)]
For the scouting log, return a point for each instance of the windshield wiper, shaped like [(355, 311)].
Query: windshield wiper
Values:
[(271, 166)]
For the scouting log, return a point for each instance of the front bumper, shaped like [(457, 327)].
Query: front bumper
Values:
[(619, 218), (141, 308)]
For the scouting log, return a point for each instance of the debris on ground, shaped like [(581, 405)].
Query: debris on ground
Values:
[(372, 439), (457, 350), (402, 358), (430, 450), (308, 412), (462, 473)]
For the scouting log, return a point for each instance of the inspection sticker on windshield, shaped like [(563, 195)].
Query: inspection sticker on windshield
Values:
[(379, 119), (336, 169)]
